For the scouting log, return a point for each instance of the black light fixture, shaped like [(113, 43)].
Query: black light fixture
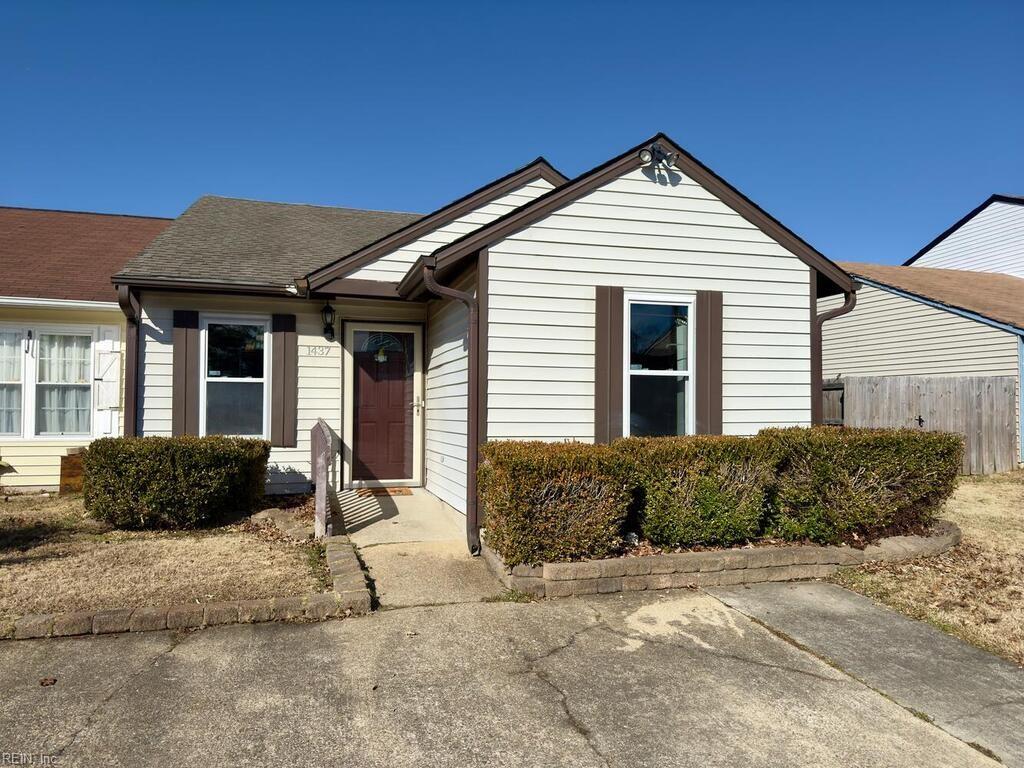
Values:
[(327, 315), (657, 154)]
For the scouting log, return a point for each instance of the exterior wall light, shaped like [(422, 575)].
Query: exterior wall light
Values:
[(327, 315), (657, 154)]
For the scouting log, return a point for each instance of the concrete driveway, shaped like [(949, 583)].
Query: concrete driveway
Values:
[(644, 679)]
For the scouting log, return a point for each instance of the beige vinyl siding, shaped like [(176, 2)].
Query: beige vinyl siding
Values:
[(36, 462), (992, 241), (889, 335), (447, 398), (647, 237), (320, 365), (393, 266)]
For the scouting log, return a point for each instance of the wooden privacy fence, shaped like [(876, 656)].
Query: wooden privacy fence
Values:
[(981, 408)]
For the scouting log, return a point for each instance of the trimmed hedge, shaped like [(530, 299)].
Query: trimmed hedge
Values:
[(173, 482), (544, 502), (701, 489), (833, 483), (547, 502)]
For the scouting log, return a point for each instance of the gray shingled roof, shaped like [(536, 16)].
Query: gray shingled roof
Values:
[(230, 240)]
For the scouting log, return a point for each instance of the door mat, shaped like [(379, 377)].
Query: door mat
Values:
[(384, 492)]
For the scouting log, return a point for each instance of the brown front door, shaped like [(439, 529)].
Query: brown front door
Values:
[(383, 394)]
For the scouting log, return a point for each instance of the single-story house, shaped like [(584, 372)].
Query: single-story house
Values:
[(922, 321), (61, 335), (988, 239), (646, 296)]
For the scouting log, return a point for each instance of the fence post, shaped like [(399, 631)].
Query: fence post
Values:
[(321, 449)]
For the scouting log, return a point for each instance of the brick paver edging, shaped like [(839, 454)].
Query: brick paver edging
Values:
[(713, 568), (351, 596)]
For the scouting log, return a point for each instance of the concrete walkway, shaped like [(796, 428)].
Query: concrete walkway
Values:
[(673, 678), (975, 696), (415, 550)]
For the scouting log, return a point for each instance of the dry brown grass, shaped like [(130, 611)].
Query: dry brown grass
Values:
[(53, 558), (976, 590)]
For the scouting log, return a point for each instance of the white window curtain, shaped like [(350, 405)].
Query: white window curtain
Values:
[(64, 384), (10, 382)]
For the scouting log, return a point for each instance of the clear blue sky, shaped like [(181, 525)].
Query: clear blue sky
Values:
[(866, 127)]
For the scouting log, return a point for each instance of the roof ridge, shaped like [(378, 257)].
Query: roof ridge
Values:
[(86, 213), (303, 205)]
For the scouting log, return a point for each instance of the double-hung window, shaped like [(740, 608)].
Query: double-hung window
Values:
[(235, 389), (59, 381), (63, 392), (658, 379), (12, 387)]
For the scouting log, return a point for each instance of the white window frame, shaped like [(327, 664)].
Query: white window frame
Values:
[(204, 379), (30, 379), (25, 360), (676, 298)]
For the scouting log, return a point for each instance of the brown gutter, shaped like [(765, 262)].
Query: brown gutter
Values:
[(128, 299), (817, 321), (429, 264)]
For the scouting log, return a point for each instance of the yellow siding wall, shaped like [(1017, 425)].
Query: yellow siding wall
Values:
[(37, 462)]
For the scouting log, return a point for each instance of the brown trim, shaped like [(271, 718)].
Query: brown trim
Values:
[(185, 374), (1011, 199), (708, 376), (522, 217), (482, 302), (538, 169), (473, 417), (201, 286), (817, 321), (131, 306), (284, 381), (608, 362), (377, 289)]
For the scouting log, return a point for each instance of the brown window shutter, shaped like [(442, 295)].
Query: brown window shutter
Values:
[(284, 382), (708, 376), (608, 364), (185, 374)]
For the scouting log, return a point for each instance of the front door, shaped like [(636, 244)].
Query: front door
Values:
[(384, 413)]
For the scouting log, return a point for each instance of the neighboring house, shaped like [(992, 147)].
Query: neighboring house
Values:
[(988, 239), (918, 321), (645, 296), (956, 308), (61, 334)]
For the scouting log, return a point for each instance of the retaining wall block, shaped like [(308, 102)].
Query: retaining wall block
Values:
[(558, 589), (288, 608), (324, 605), (634, 583), (662, 564), (637, 566), (72, 623), (186, 616), (255, 611), (32, 626), (584, 587), (220, 613), (530, 585), (148, 619), (612, 568), (559, 571), (106, 622)]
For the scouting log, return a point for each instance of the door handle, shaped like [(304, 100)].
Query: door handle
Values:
[(418, 406)]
